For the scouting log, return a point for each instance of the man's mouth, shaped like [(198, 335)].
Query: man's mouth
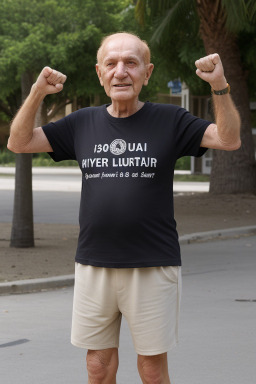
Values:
[(121, 85)]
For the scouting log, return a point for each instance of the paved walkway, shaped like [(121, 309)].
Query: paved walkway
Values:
[(54, 179)]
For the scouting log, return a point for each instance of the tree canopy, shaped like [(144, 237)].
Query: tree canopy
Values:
[(58, 33), (173, 27)]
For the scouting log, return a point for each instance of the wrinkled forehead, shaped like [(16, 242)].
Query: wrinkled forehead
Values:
[(123, 45)]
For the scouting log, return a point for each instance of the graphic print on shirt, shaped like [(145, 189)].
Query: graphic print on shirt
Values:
[(118, 163)]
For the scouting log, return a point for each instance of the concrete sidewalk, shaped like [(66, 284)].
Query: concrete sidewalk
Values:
[(43, 180), (60, 170)]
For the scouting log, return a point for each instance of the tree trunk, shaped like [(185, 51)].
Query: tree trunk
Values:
[(22, 235), (232, 172)]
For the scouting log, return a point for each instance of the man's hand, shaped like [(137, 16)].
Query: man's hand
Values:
[(225, 134), (50, 81), (23, 137), (210, 69)]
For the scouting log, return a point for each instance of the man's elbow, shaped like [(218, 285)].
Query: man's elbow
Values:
[(234, 146), (10, 147), (13, 148)]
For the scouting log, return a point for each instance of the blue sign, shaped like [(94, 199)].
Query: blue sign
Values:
[(175, 86)]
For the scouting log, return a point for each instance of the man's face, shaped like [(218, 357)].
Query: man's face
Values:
[(121, 68)]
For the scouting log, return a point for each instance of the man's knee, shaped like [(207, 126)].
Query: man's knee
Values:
[(153, 369), (102, 365)]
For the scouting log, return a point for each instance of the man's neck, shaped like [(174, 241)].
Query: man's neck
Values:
[(119, 109)]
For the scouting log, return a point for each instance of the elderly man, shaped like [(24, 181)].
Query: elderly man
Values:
[(128, 257)]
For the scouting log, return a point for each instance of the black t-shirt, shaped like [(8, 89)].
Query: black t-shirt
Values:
[(126, 210)]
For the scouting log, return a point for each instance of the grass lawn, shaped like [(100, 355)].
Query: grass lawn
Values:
[(191, 177)]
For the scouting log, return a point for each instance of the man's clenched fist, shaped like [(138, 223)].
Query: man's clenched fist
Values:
[(50, 81), (210, 69)]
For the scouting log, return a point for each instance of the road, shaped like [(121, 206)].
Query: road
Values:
[(48, 183), (48, 207), (217, 327)]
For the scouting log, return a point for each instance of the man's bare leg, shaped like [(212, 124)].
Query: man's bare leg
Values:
[(154, 369), (102, 366)]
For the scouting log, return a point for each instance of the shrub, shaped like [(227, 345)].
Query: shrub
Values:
[(183, 164), (7, 158)]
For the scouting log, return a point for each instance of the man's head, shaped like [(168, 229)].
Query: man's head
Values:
[(123, 65), (142, 43)]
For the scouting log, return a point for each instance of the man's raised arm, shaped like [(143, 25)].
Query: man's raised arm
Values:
[(24, 138), (225, 134)]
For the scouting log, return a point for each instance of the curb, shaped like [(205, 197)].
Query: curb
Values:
[(36, 285), (218, 234), (43, 284)]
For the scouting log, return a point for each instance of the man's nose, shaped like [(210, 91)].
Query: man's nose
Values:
[(120, 71)]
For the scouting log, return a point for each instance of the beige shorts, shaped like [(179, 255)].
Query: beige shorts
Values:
[(149, 298)]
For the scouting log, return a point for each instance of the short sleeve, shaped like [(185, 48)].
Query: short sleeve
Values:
[(189, 134), (60, 135)]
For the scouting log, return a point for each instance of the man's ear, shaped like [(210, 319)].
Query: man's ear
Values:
[(149, 70), (99, 73)]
